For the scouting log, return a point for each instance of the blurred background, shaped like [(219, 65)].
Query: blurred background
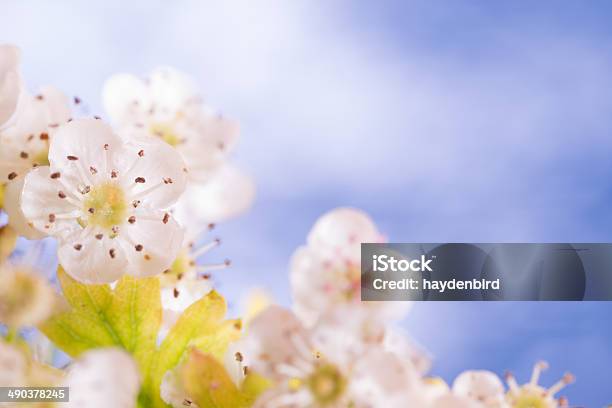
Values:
[(445, 120)]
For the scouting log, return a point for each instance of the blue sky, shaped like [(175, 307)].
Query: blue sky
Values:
[(447, 121)]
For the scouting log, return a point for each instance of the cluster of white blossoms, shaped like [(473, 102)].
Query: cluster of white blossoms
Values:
[(131, 199), (112, 197), (334, 350)]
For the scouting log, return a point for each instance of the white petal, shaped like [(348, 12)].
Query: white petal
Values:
[(158, 166), (124, 96), (13, 366), (40, 201), (455, 401), (12, 206), (276, 337), (207, 141), (323, 282), (379, 378), (479, 384), (344, 228), (235, 368), (172, 391), (161, 242), (226, 195), (9, 57), (170, 88), (189, 291), (91, 260), (399, 343), (90, 141), (10, 82), (56, 105), (103, 378), (37, 116)]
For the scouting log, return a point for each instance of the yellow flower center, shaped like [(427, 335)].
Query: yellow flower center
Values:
[(326, 384), (181, 266), (41, 158), (105, 206), (165, 132), (345, 285), (21, 295), (529, 400)]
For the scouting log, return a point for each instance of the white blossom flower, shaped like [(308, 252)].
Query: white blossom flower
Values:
[(533, 394), (398, 342), (18, 369), (309, 374), (480, 385), (24, 144), (166, 105), (13, 366), (103, 378), (26, 299), (227, 194), (187, 280), (455, 401), (10, 82), (326, 273), (105, 200)]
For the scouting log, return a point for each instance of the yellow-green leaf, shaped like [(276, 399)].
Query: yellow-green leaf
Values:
[(253, 386), (135, 313), (128, 317), (201, 318), (208, 383), (217, 341)]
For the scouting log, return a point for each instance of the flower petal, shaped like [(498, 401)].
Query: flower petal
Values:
[(227, 194), (160, 237), (81, 144), (124, 96), (454, 401), (479, 384), (91, 260), (343, 229), (276, 337), (208, 139), (26, 140), (170, 88), (10, 82), (103, 378), (12, 206), (42, 203), (380, 376), (157, 174), (13, 366), (188, 290)]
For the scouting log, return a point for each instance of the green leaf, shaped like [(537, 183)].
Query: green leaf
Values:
[(208, 384), (253, 386), (136, 314), (202, 318), (128, 317), (217, 341)]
